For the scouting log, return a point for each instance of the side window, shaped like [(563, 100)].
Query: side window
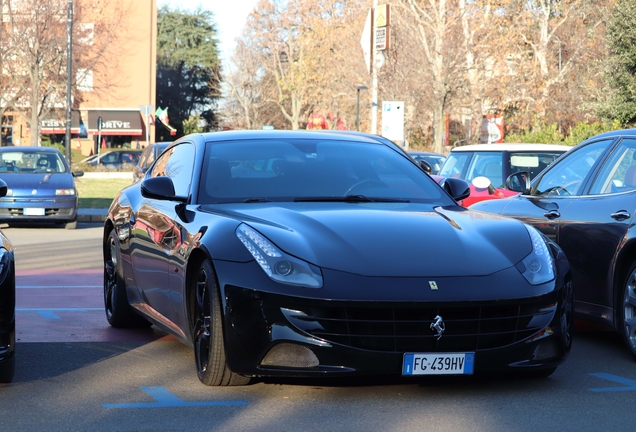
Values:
[(567, 176), (178, 164), (619, 171), (486, 164), (454, 164)]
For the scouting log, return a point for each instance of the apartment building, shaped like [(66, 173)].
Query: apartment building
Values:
[(115, 92)]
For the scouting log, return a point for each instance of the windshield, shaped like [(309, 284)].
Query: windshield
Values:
[(312, 170), (31, 162), (496, 165)]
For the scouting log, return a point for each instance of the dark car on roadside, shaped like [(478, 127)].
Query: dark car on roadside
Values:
[(312, 254), (435, 160), (147, 158), (586, 201), (7, 305), (116, 159), (41, 187)]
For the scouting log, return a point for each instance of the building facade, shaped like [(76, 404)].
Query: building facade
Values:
[(115, 87)]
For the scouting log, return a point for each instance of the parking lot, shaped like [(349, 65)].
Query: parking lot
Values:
[(74, 372)]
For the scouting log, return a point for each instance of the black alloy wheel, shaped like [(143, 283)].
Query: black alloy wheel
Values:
[(119, 313), (209, 347), (627, 310)]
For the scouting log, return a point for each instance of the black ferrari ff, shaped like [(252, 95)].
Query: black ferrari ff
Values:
[(305, 253), (7, 305)]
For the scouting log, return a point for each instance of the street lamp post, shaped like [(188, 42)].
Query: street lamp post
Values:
[(358, 88)]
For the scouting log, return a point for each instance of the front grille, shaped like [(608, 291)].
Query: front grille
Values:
[(19, 212), (407, 329)]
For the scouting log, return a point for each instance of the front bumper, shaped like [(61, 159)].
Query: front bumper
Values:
[(49, 209), (272, 334)]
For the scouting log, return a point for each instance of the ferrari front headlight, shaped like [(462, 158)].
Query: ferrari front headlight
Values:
[(538, 267), (278, 265)]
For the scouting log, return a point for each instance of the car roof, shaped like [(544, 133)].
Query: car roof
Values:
[(616, 133), (29, 149), (512, 147), (277, 133), (425, 153)]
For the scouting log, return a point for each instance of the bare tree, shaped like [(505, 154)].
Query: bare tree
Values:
[(36, 31)]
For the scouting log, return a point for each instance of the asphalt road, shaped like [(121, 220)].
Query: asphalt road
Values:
[(75, 373)]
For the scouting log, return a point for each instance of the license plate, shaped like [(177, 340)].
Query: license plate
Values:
[(438, 363), (33, 212)]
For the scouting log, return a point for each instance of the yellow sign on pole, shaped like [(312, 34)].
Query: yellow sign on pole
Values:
[(382, 15)]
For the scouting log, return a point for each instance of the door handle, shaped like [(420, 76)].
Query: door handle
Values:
[(621, 215), (552, 214)]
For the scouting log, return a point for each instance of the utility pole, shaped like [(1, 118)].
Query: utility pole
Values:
[(374, 73), (69, 79)]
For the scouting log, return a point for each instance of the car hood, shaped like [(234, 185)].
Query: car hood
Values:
[(29, 182), (388, 239)]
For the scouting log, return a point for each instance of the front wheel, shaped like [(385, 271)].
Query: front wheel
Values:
[(209, 346), (119, 313), (628, 310)]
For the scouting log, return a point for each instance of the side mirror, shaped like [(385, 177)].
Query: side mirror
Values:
[(78, 173), (456, 188), (425, 166), (519, 182), (482, 182), (160, 188)]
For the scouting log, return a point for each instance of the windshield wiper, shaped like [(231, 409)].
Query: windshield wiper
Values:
[(350, 198), (256, 200)]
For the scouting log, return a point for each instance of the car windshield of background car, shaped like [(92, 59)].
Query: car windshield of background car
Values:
[(619, 171), (566, 177), (31, 162), (532, 163), (306, 169)]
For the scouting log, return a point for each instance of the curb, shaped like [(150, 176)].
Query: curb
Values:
[(92, 215)]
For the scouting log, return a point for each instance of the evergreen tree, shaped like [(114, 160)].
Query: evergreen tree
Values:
[(188, 68), (620, 75)]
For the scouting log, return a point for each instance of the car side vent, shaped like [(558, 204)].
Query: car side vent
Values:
[(290, 355)]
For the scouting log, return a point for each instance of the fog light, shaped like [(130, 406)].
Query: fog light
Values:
[(546, 350), (290, 355)]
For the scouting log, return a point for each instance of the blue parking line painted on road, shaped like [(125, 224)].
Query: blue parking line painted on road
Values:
[(48, 315), (51, 313), (166, 399), (59, 287), (630, 385)]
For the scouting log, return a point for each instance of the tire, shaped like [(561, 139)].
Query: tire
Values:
[(119, 313), (71, 225), (7, 366), (627, 310), (209, 346), (7, 369)]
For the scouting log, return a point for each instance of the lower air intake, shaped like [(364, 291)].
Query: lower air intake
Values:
[(290, 355)]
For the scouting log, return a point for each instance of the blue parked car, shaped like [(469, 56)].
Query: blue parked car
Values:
[(41, 187)]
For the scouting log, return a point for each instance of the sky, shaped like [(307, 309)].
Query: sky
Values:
[(229, 15)]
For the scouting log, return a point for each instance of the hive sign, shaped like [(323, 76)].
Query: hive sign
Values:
[(393, 120)]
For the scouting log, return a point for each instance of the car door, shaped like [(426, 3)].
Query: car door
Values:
[(157, 234), (594, 225), (543, 206)]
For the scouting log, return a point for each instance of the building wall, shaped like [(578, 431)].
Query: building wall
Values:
[(127, 78), (123, 79)]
